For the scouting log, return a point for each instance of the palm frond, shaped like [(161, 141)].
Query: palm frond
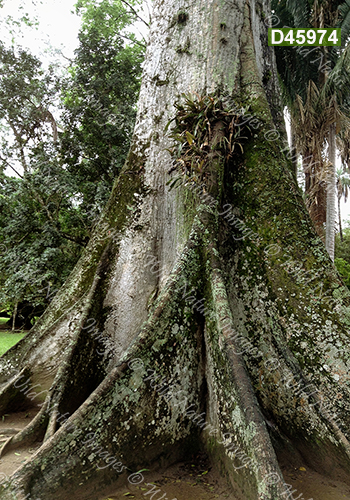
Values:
[(301, 12), (338, 81), (343, 145), (344, 21)]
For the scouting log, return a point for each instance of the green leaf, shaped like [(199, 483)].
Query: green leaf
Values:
[(168, 124), (189, 137)]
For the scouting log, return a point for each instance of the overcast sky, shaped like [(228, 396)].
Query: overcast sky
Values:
[(57, 24)]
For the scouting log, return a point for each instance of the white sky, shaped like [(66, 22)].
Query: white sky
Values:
[(57, 24)]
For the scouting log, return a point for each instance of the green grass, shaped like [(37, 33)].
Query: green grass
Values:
[(7, 340), (3, 320)]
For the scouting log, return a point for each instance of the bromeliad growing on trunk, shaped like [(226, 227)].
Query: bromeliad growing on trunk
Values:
[(204, 129)]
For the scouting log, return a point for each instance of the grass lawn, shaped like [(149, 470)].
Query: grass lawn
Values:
[(7, 340)]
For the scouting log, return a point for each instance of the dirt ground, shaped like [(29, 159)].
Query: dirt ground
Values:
[(180, 483), (195, 479), (14, 459), (192, 480)]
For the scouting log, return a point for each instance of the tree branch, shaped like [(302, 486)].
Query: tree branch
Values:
[(20, 147), (9, 165), (56, 224), (143, 45), (135, 12)]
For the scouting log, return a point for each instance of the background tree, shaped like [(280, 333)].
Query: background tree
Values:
[(34, 197), (343, 183), (319, 69), (60, 192), (100, 98)]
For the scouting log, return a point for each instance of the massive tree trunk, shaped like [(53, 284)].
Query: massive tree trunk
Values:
[(205, 315)]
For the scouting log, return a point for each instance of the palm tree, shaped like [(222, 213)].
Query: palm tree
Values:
[(336, 90), (315, 96), (311, 120), (343, 185), (331, 192)]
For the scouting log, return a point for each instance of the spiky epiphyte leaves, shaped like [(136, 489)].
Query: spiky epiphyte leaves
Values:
[(204, 129)]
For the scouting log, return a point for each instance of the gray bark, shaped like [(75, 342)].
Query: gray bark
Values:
[(339, 218), (14, 316), (331, 193)]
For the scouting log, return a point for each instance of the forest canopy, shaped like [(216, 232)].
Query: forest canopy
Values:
[(65, 133)]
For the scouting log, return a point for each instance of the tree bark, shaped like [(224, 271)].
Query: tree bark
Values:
[(331, 192), (204, 315), (339, 218), (294, 152), (315, 191), (14, 316)]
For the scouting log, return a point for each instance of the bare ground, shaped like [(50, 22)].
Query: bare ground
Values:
[(195, 479)]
